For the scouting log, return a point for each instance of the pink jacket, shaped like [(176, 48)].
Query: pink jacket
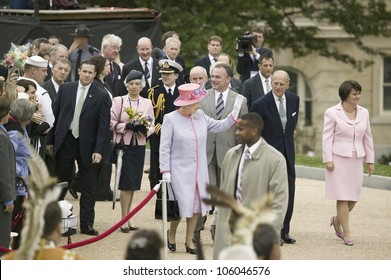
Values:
[(119, 118), (341, 136)]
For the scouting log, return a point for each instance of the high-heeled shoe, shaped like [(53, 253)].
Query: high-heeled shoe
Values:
[(124, 230), (348, 242), (340, 234), (192, 251), (171, 246)]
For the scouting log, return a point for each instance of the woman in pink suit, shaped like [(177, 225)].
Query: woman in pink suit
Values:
[(134, 137), (347, 144), (183, 159)]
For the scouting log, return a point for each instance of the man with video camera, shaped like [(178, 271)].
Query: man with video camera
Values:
[(249, 49)]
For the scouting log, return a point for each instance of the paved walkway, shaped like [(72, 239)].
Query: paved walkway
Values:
[(370, 223)]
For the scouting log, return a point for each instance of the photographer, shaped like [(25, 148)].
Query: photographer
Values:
[(248, 54)]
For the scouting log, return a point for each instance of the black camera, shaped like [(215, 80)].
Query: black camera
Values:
[(245, 42)]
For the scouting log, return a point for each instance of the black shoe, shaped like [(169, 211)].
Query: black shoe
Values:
[(192, 251), (281, 242), (125, 230), (73, 193), (288, 239), (196, 237), (133, 228), (89, 231), (171, 246)]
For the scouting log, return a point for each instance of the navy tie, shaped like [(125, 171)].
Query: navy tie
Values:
[(146, 71)]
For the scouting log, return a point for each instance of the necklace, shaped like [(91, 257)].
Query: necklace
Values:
[(132, 99), (348, 110)]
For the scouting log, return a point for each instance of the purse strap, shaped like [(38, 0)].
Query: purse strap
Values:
[(120, 115), (172, 191)]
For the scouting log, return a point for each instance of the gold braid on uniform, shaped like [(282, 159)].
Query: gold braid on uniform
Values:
[(158, 105)]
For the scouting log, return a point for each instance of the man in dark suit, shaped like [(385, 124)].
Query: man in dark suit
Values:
[(60, 70), (80, 131), (111, 45), (151, 73), (55, 52), (260, 84), (279, 110), (248, 61), (215, 45), (162, 97), (172, 48)]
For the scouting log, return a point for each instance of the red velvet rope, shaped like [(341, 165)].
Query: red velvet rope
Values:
[(110, 230)]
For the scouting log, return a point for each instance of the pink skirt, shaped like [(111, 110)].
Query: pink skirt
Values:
[(345, 182)]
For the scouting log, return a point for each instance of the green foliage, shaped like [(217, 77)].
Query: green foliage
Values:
[(380, 169), (196, 20)]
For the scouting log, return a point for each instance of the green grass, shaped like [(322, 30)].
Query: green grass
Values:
[(380, 169)]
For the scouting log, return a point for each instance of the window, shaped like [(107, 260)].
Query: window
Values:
[(299, 86), (387, 84)]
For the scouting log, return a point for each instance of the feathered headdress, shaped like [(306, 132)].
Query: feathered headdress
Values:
[(243, 220), (42, 191)]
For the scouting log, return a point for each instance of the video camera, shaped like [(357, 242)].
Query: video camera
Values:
[(245, 42)]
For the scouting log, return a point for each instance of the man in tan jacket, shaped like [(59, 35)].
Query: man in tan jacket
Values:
[(249, 172)]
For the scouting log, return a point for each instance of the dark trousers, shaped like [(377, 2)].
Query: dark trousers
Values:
[(65, 161), (291, 199), (103, 188), (154, 171)]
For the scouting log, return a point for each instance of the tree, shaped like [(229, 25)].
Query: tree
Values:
[(196, 20)]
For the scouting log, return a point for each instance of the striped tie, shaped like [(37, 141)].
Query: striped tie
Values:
[(219, 107)]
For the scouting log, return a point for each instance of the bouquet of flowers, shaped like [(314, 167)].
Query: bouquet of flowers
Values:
[(16, 55), (140, 123)]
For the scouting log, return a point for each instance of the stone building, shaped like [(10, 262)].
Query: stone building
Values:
[(316, 80)]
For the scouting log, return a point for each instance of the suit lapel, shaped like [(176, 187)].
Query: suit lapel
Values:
[(229, 103), (89, 97), (271, 104), (211, 103)]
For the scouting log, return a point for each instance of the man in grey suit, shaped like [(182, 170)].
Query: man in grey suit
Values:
[(258, 85), (218, 144), (7, 181)]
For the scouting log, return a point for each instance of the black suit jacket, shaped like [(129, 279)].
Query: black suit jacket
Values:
[(246, 64), (49, 86), (94, 120), (118, 83), (204, 62), (183, 77), (49, 75), (273, 132), (253, 90), (136, 65)]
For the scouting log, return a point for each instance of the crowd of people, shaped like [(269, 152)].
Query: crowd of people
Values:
[(204, 127)]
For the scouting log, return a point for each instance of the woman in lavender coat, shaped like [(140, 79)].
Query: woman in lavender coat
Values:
[(183, 159)]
